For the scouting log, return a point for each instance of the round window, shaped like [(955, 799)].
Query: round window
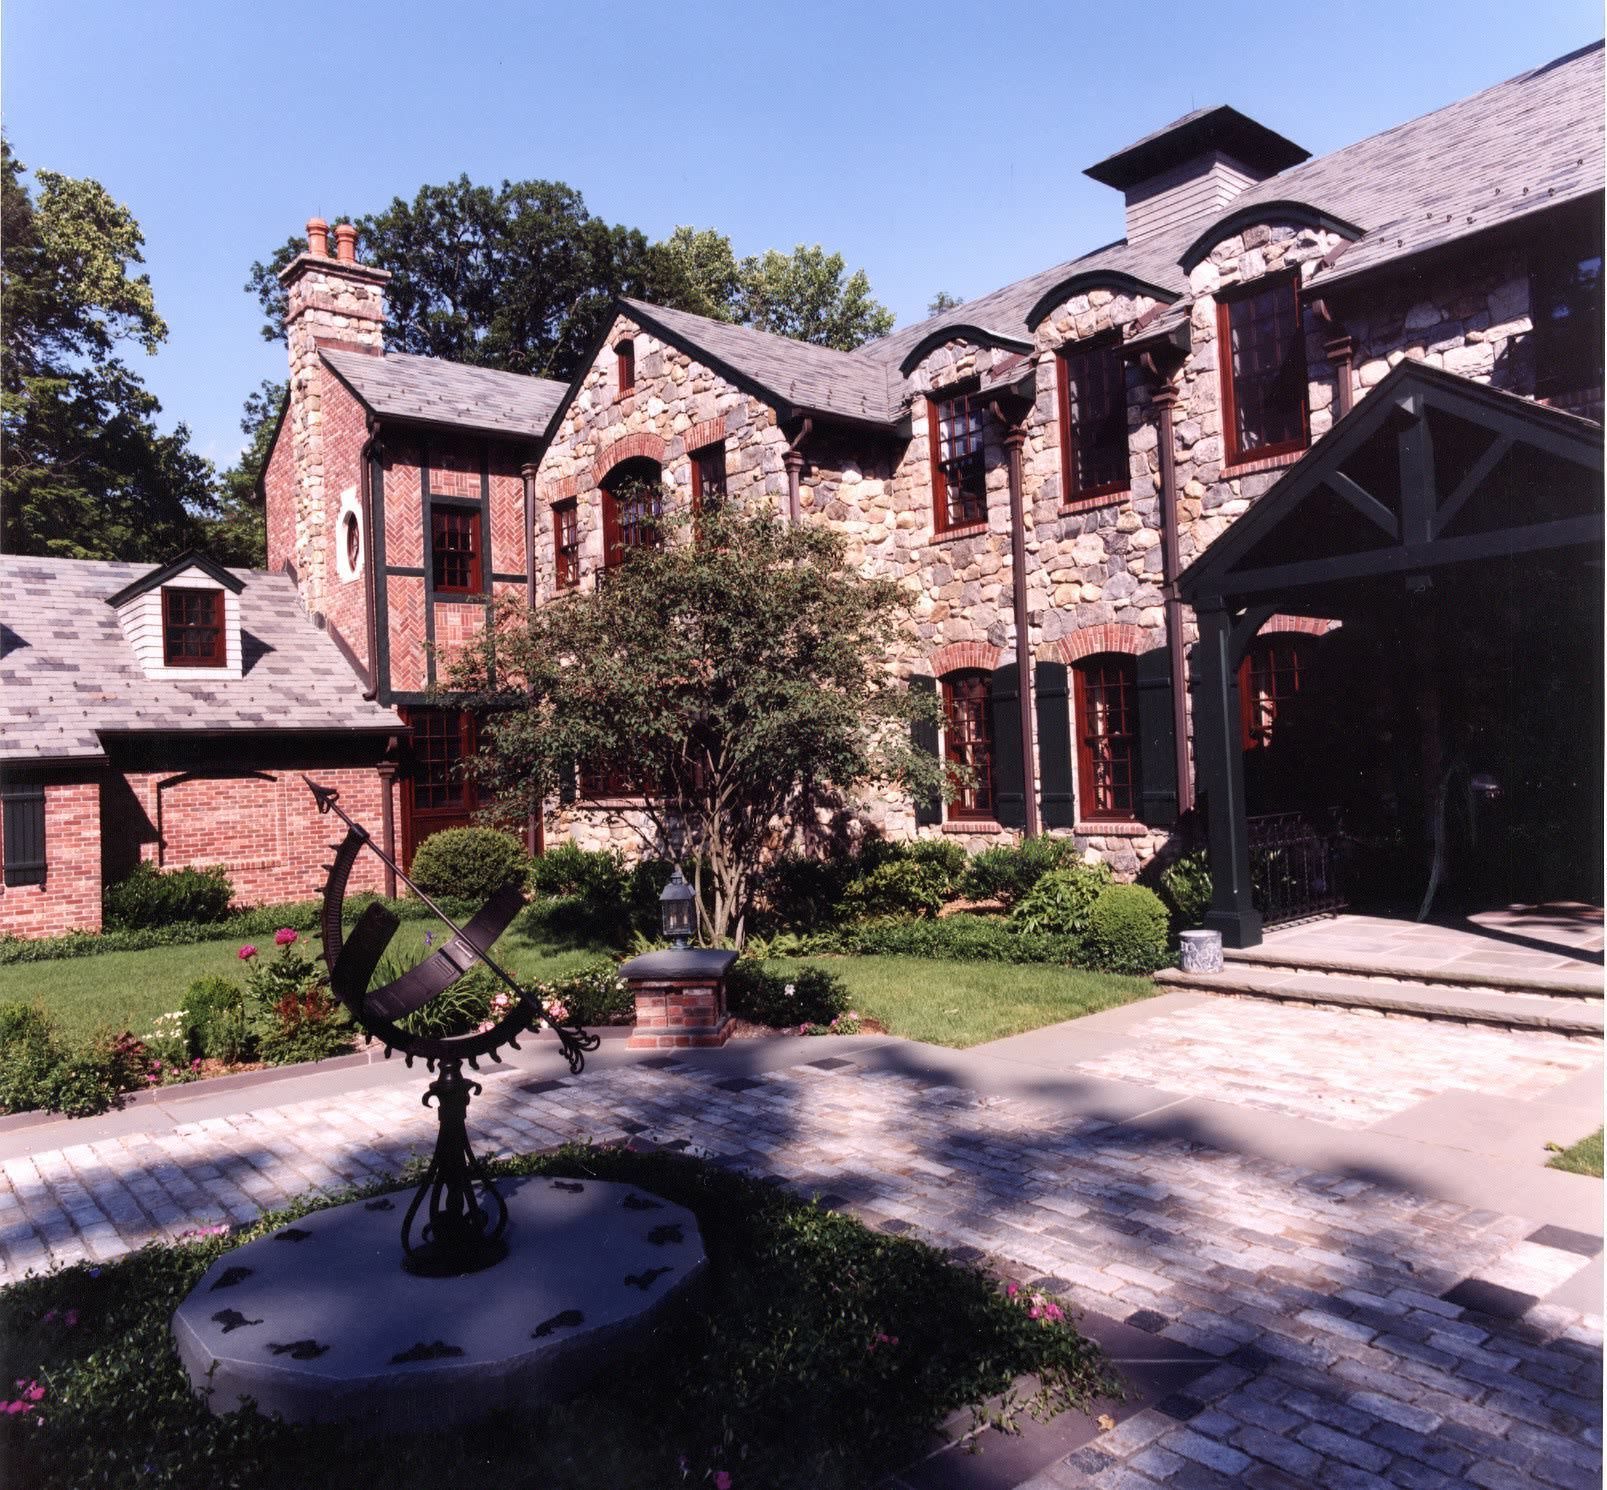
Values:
[(354, 541)]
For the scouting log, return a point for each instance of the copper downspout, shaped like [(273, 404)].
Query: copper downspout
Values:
[(1015, 437), (370, 583), (387, 818), (535, 822), (1164, 395), (793, 460)]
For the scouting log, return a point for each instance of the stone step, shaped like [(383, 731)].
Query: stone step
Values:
[(1505, 1009), (1586, 983)]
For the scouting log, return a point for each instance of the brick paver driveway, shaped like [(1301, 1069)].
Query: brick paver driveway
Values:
[(1321, 1294)]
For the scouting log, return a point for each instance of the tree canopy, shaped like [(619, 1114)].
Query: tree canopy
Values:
[(740, 672), (87, 473), (521, 277)]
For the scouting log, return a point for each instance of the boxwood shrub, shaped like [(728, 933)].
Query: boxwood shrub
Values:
[(470, 863), (1128, 931), (149, 896)]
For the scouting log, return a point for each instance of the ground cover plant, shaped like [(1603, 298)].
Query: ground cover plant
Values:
[(1584, 1157), (821, 1355)]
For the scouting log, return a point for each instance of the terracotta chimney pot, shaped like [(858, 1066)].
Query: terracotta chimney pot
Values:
[(318, 237), (346, 243)]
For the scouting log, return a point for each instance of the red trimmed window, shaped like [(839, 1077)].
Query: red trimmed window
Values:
[(455, 549), (608, 779), (1093, 420), (1567, 293), (442, 739), (708, 476), (625, 353), (631, 519), (192, 628), (1263, 355), (566, 544), (1107, 741), (959, 477), (968, 742), (1269, 676)]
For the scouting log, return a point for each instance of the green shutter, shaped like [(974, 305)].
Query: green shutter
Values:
[(1009, 791), (923, 737), (1051, 685), (23, 810), (1157, 759)]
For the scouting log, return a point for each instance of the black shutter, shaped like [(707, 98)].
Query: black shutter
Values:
[(1051, 685), (923, 737), (1009, 790), (1157, 759), (566, 786), (23, 808)]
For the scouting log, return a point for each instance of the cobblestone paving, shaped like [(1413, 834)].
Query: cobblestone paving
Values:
[(1340, 1364), (1338, 1067)]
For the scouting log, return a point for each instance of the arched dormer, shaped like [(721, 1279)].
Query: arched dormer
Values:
[(976, 336), (1085, 280), (1279, 212)]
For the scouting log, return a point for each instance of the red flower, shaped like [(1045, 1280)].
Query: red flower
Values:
[(284, 936), (247, 953)]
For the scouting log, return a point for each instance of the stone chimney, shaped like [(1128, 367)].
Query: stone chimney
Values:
[(331, 304), (1190, 170)]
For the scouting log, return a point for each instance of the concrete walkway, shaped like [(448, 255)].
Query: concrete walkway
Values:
[(1349, 1216)]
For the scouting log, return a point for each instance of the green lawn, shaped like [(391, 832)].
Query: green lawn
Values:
[(1583, 1158), (967, 1003), (127, 990)]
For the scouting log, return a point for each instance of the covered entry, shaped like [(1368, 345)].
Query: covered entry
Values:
[(1456, 533)]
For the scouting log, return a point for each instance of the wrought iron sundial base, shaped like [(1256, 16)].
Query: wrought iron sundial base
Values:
[(467, 1215)]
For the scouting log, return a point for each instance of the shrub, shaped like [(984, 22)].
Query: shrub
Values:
[(595, 995), (1186, 887), (295, 1016), (802, 893), (1058, 905), (593, 888), (216, 1026), (469, 863), (1007, 872), (38, 1069), (942, 854), (153, 897), (959, 938), (902, 886), (811, 995), (1127, 931)]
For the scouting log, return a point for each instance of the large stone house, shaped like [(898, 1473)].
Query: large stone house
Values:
[(1046, 469)]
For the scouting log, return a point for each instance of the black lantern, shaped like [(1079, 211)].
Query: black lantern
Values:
[(675, 912)]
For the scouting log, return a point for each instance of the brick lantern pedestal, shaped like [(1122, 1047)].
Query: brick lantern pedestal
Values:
[(680, 999)]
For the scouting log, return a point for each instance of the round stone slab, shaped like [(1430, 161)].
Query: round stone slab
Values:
[(318, 1322)]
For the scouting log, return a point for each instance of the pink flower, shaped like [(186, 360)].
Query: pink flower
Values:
[(70, 1318), (245, 954), (558, 1011), (16, 1407), (722, 1480), (195, 1065), (1010, 1290), (285, 936), (35, 1393)]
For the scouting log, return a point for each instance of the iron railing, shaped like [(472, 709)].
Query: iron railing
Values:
[(1294, 869)]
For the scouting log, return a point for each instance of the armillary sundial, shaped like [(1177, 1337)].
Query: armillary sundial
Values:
[(467, 1216)]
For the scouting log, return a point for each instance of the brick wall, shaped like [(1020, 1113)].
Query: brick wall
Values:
[(69, 899), (344, 602)]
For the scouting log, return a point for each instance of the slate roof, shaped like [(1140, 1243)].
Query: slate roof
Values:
[(67, 673), (402, 386)]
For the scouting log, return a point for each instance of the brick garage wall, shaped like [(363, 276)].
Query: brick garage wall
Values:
[(345, 432), (69, 899)]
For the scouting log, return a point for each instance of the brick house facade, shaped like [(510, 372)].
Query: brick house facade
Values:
[(1035, 467)]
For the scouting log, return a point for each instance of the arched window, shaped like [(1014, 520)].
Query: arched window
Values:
[(968, 741), (1107, 738), (1270, 675), (633, 503)]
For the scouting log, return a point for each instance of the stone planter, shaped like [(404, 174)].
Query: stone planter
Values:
[(1201, 951), (680, 999)]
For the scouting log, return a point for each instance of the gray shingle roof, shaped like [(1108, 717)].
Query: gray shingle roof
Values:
[(67, 672), (403, 386)]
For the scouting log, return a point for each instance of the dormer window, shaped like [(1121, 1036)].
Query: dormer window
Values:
[(193, 628), (1263, 357), (625, 352), (1093, 419), (959, 474)]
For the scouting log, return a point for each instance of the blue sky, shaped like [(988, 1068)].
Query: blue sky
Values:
[(938, 146)]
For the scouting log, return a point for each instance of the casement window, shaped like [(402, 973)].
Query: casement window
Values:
[(625, 357), (959, 476), (566, 544), (602, 780), (1093, 420), (631, 516), (1263, 357), (1270, 675), (22, 834), (1107, 738), (1568, 329), (442, 739), (968, 742), (708, 477), (193, 628), (455, 549)]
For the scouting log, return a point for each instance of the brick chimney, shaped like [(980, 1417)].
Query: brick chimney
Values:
[(332, 304)]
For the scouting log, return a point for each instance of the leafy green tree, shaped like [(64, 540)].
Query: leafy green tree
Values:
[(86, 472), (237, 535), (809, 294), (741, 673), (941, 302)]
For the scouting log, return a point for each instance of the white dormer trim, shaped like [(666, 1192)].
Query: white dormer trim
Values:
[(140, 617)]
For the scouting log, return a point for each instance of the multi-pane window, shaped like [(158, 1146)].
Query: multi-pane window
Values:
[(192, 628), (1269, 676), (1107, 744), (1568, 329), (959, 475), (1264, 369), (1093, 419), (708, 477), (455, 549), (625, 355), (441, 739), (631, 515), (605, 779), (968, 742), (566, 544)]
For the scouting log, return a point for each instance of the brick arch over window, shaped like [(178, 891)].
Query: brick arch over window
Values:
[(964, 657), (1305, 625), (709, 432), (632, 447), (1112, 636)]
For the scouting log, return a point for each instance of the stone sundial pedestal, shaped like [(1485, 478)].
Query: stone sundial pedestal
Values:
[(317, 1323)]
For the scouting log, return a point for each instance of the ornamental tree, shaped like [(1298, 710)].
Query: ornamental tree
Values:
[(737, 674)]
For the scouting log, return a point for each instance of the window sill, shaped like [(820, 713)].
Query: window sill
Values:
[(607, 804), (1116, 829), (1263, 463), (954, 535), (1097, 499), (973, 825)]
